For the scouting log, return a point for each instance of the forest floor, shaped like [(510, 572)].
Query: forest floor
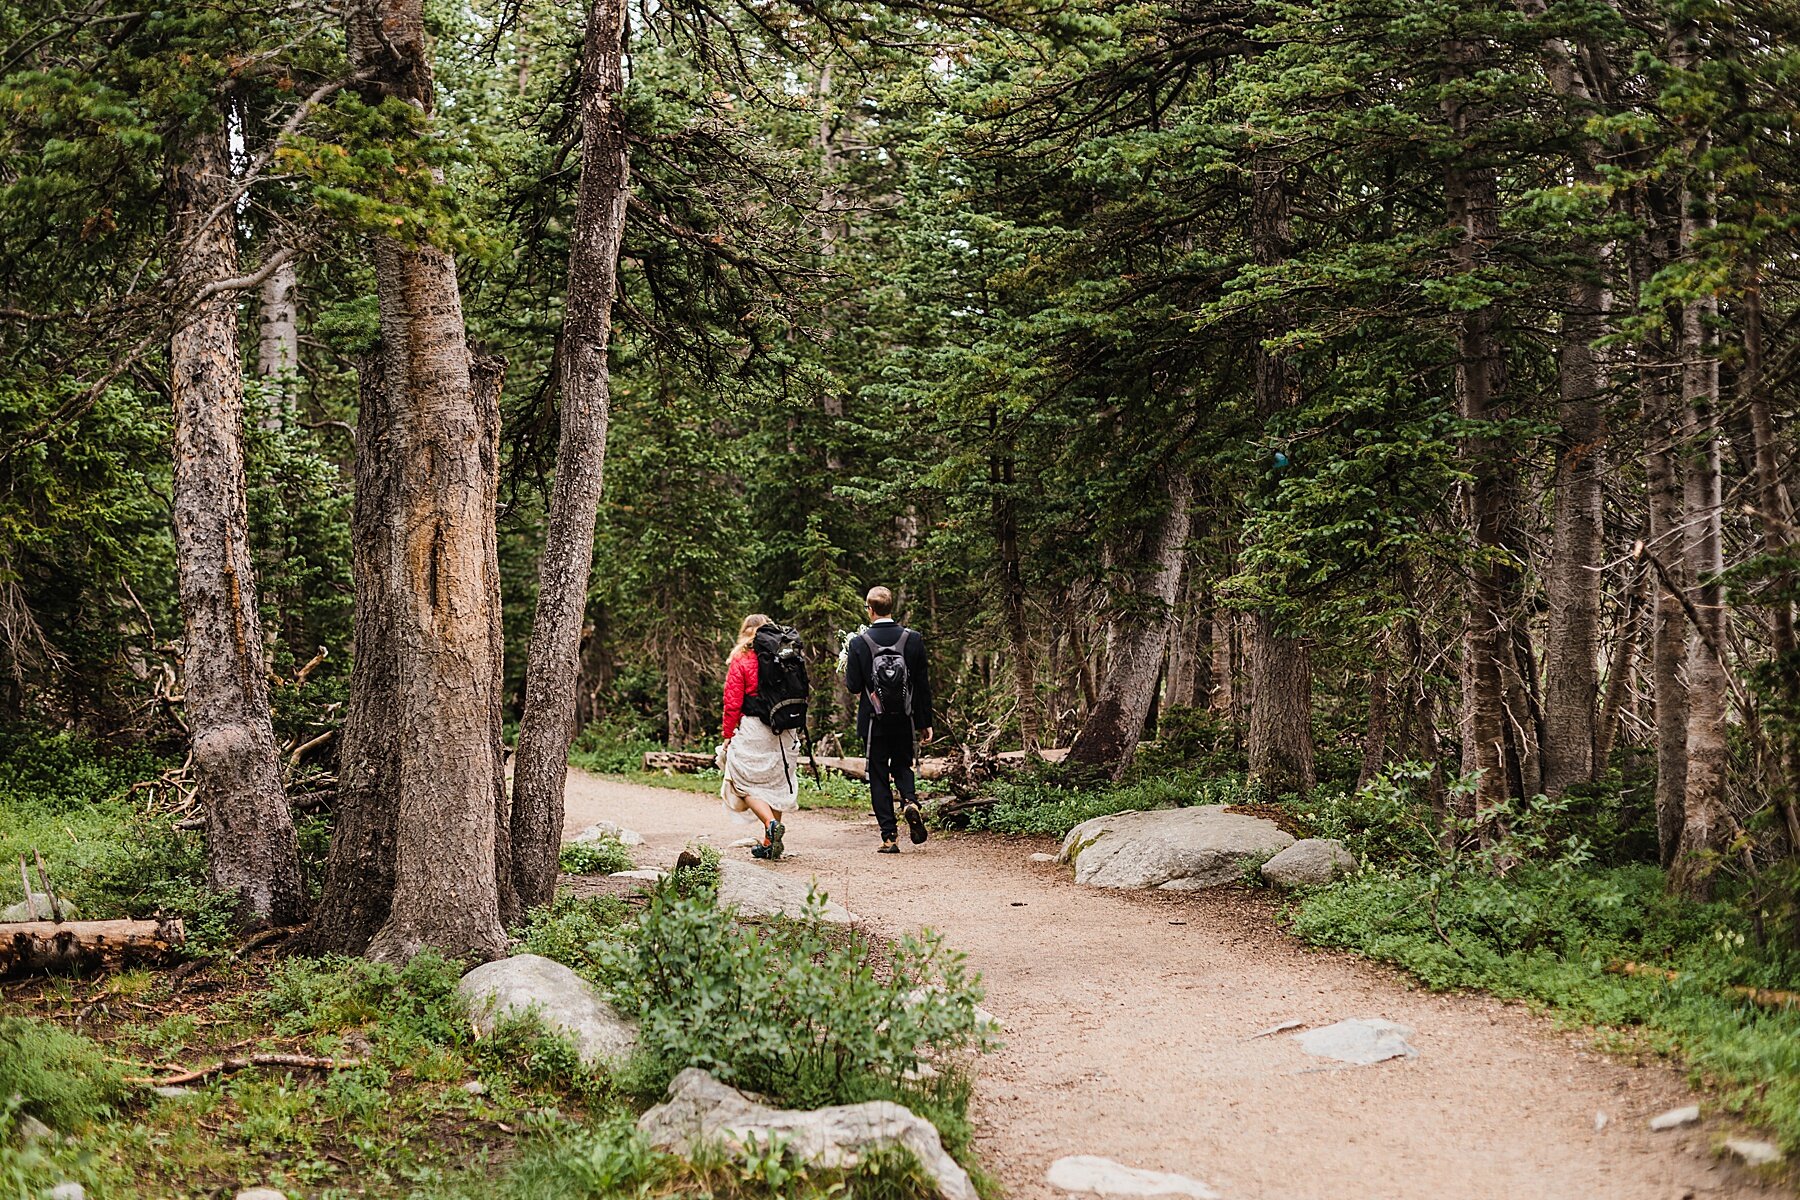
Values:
[(1130, 1022)]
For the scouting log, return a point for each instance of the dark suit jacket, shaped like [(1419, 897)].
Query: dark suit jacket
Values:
[(861, 663)]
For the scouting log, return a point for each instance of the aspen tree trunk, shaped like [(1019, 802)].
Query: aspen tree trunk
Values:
[(428, 596), (1618, 675), (1471, 194), (251, 852), (547, 726), (1705, 823), (278, 338), (1280, 734), (1110, 734)]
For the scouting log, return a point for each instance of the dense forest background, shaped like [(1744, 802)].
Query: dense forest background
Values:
[(1312, 388)]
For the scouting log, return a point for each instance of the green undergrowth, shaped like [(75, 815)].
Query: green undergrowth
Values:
[(600, 857), (1537, 914), (419, 1107)]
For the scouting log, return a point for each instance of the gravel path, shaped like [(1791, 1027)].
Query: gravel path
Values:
[(1128, 1034)]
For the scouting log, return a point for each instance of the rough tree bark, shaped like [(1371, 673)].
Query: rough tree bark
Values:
[(438, 592), (1280, 741), (251, 849), (1571, 647), (1663, 542), (1705, 822), (1110, 734), (553, 662), (1618, 674), (1471, 195)]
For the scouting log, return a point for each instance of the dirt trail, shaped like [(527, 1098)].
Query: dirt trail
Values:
[(1128, 1034)]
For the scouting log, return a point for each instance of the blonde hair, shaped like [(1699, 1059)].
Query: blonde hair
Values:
[(747, 634)]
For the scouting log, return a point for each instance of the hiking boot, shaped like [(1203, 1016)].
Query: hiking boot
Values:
[(760, 852), (915, 822), (776, 829), (889, 846)]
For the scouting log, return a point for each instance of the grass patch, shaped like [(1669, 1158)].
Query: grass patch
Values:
[(603, 856), (1046, 805)]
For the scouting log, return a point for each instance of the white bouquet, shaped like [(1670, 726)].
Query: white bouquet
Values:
[(845, 637)]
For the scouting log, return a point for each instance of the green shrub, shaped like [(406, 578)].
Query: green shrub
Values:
[(702, 879), (782, 1010), (573, 931), (1190, 740), (613, 747), (60, 1078), (601, 857)]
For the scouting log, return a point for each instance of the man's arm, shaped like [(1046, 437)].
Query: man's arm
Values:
[(919, 668), (854, 672)]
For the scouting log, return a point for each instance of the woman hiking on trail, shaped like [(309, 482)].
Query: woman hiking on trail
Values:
[(760, 765)]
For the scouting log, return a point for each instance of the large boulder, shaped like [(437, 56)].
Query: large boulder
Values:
[(564, 1001), (758, 891), (37, 908), (1310, 862), (1177, 849), (701, 1113)]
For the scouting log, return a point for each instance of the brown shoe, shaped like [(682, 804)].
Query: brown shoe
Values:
[(889, 846)]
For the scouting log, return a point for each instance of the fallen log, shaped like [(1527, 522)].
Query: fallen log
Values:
[(35, 947), (302, 1061), (677, 760)]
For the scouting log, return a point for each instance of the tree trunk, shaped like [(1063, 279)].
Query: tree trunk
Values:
[(1471, 194), (1705, 823), (278, 338), (1012, 601), (1110, 734), (1281, 746), (1663, 544), (1618, 676), (547, 726), (1375, 734), (1571, 685), (1224, 666), (1191, 642), (359, 869), (438, 585), (252, 854)]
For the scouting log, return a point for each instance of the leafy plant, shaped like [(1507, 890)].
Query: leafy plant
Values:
[(600, 857)]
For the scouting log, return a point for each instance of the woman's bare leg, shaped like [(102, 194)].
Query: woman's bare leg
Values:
[(763, 812)]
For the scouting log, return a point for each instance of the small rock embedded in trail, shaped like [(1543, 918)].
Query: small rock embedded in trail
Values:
[(1675, 1118), (1177, 849), (1359, 1042), (1600, 1121), (702, 1112), (1312, 862), (646, 874), (262, 1193), (1272, 1030), (1041, 857), (1103, 1177), (70, 1190), (564, 1002), (1754, 1154)]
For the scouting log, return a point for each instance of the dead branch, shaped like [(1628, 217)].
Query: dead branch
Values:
[(302, 1061)]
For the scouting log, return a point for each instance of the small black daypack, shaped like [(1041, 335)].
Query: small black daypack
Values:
[(782, 686), (890, 683)]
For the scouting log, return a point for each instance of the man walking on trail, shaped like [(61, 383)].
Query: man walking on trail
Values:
[(886, 669)]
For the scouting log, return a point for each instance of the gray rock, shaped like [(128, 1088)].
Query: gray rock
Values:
[(759, 891), (563, 1000), (67, 1190), (1103, 1177), (1754, 1154), (1309, 863), (700, 1111), (475, 1087), (37, 909), (1041, 857), (30, 1129), (172, 1092), (262, 1193), (1360, 1042), (646, 874), (1675, 1118), (601, 831), (1179, 849), (1600, 1121)]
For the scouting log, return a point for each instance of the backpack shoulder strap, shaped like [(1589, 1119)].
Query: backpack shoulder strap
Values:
[(875, 647)]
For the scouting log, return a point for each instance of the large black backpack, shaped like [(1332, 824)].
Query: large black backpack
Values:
[(781, 683), (890, 683)]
